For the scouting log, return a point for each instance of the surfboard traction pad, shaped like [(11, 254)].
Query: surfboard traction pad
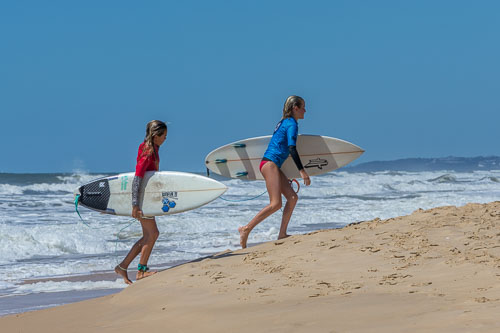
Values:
[(96, 195)]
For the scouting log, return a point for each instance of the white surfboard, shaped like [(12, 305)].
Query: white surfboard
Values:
[(161, 193), (318, 154)]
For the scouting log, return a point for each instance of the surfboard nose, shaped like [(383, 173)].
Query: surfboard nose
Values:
[(218, 186), (223, 189)]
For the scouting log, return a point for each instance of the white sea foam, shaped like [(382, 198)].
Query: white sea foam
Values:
[(7, 189), (53, 286)]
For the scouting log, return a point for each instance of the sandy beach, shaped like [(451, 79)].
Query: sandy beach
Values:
[(435, 270)]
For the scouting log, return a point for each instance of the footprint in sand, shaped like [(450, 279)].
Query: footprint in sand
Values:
[(247, 281), (254, 255), (393, 279), (216, 277)]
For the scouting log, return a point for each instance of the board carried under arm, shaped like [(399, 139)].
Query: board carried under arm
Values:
[(318, 154), (161, 193)]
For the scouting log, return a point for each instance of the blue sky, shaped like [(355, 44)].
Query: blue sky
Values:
[(80, 80)]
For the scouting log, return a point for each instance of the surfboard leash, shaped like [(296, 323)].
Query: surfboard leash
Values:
[(244, 199), (77, 197), (88, 225), (296, 182), (291, 181)]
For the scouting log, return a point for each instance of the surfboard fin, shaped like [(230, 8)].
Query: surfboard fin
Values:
[(241, 174)]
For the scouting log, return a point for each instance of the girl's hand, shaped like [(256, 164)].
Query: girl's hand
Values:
[(136, 212), (305, 176)]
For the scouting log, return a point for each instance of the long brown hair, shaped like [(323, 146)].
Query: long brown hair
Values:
[(290, 102), (153, 128)]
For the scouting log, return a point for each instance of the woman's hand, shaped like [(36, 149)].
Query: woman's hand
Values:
[(136, 212), (305, 176)]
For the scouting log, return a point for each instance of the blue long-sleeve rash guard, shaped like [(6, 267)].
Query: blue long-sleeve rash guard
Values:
[(283, 142)]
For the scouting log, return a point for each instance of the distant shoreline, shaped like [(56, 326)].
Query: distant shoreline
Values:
[(412, 164), (451, 163)]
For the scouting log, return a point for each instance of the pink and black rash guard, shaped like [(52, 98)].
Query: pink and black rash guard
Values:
[(145, 162)]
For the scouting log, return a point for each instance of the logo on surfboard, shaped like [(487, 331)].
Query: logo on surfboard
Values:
[(169, 194), (124, 183), (316, 163), (167, 200), (167, 205)]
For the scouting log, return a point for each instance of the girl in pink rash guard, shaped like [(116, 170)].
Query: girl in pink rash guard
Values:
[(148, 159)]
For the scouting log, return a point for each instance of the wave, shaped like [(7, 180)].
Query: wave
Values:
[(416, 182), (451, 179), (50, 178), (21, 242), (58, 286), (493, 179), (377, 198), (447, 178), (389, 187), (32, 184)]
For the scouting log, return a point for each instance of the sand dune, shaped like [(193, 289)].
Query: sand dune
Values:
[(435, 270)]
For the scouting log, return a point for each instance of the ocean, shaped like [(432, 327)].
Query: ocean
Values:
[(48, 256)]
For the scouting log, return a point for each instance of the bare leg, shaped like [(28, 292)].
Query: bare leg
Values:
[(151, 233), (147, 230), (271, 174), (291, 201), (121, 269)]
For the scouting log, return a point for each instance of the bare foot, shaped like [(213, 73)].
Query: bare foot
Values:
[(281, 237), (141, 275), (243, 236), (123, 273)]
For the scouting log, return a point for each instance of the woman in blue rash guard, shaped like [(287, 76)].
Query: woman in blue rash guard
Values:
[(282, 144)]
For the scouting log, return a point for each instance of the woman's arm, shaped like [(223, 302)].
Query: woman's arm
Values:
[(295, 157), (298, 163), (292, 133), (136, 185)]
